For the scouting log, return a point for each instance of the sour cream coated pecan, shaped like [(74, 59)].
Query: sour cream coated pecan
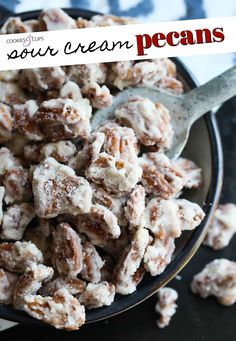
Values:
[(223, 227), (63, 311), (135, 206), (116, 204), (58, 190), (60, 119), (191, 172), (15, 220), (190, 214), (30, 282), (218, 279), (159, 73), (117, 176), (42, 79), (98, 295), (158, 255), (99, 96), (74, 286), (7, 286), (166, 306), (150, 121), (99, 224), (67, 254), (129, 262), (16, 257), (161, 177), (92, 263), (55, 19), (161, 217), (87, 74), (104, 20)]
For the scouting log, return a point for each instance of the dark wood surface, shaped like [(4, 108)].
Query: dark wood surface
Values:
[(196, 319)]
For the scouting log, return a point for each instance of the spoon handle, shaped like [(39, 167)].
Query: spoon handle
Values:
[(218, 90)]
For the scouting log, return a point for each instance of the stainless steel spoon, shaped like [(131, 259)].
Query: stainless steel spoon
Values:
[(184, 109)]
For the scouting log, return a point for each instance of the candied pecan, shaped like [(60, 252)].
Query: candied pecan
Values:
[(135, 206), (99, 224), (17, 256), (223, 227), (42, 79), (55, 19), (58, 190), (99, 96), (8, 161), (158, 255), (14, 25), (218, 278), (41, 236), (117, 176), (30, 282), (67, 254), (98, 295), (191, 172), (129, 262), (119, 142), (166, 306), (6, 123), (16, 218), (7, 286), (24, 115), (71, 90), (190, 214), (2, 193), (87, 73), (60, 119), (11, 93), (161, 177), (161, 217), (151, 122), (114, 203), (115, 247), (104, 20), (92, 263), (62, 151), (91, 149), (62, 311), (17, 185), (73, 285), (159, 72)]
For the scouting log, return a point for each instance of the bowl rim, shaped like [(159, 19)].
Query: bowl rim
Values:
[(194, 242)]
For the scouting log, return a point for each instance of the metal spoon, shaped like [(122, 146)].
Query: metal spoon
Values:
[(184, 109)]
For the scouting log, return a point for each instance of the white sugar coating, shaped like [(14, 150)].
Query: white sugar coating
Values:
[(161, 217), (223, 227), (15, 221), (8, 161), (218, 278), (7, 286), (166, 306), (98, 295), (57, 19), (71, 90), (17, 256), (63, 311), (58, 190), (158, 255), (191, 214), (150, 121)]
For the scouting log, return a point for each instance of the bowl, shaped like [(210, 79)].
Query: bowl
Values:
[(203, 147)]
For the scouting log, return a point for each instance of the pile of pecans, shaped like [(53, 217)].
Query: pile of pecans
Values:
[(85, 214)]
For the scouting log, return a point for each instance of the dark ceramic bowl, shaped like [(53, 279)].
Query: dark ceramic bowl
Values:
[(203, 147)]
